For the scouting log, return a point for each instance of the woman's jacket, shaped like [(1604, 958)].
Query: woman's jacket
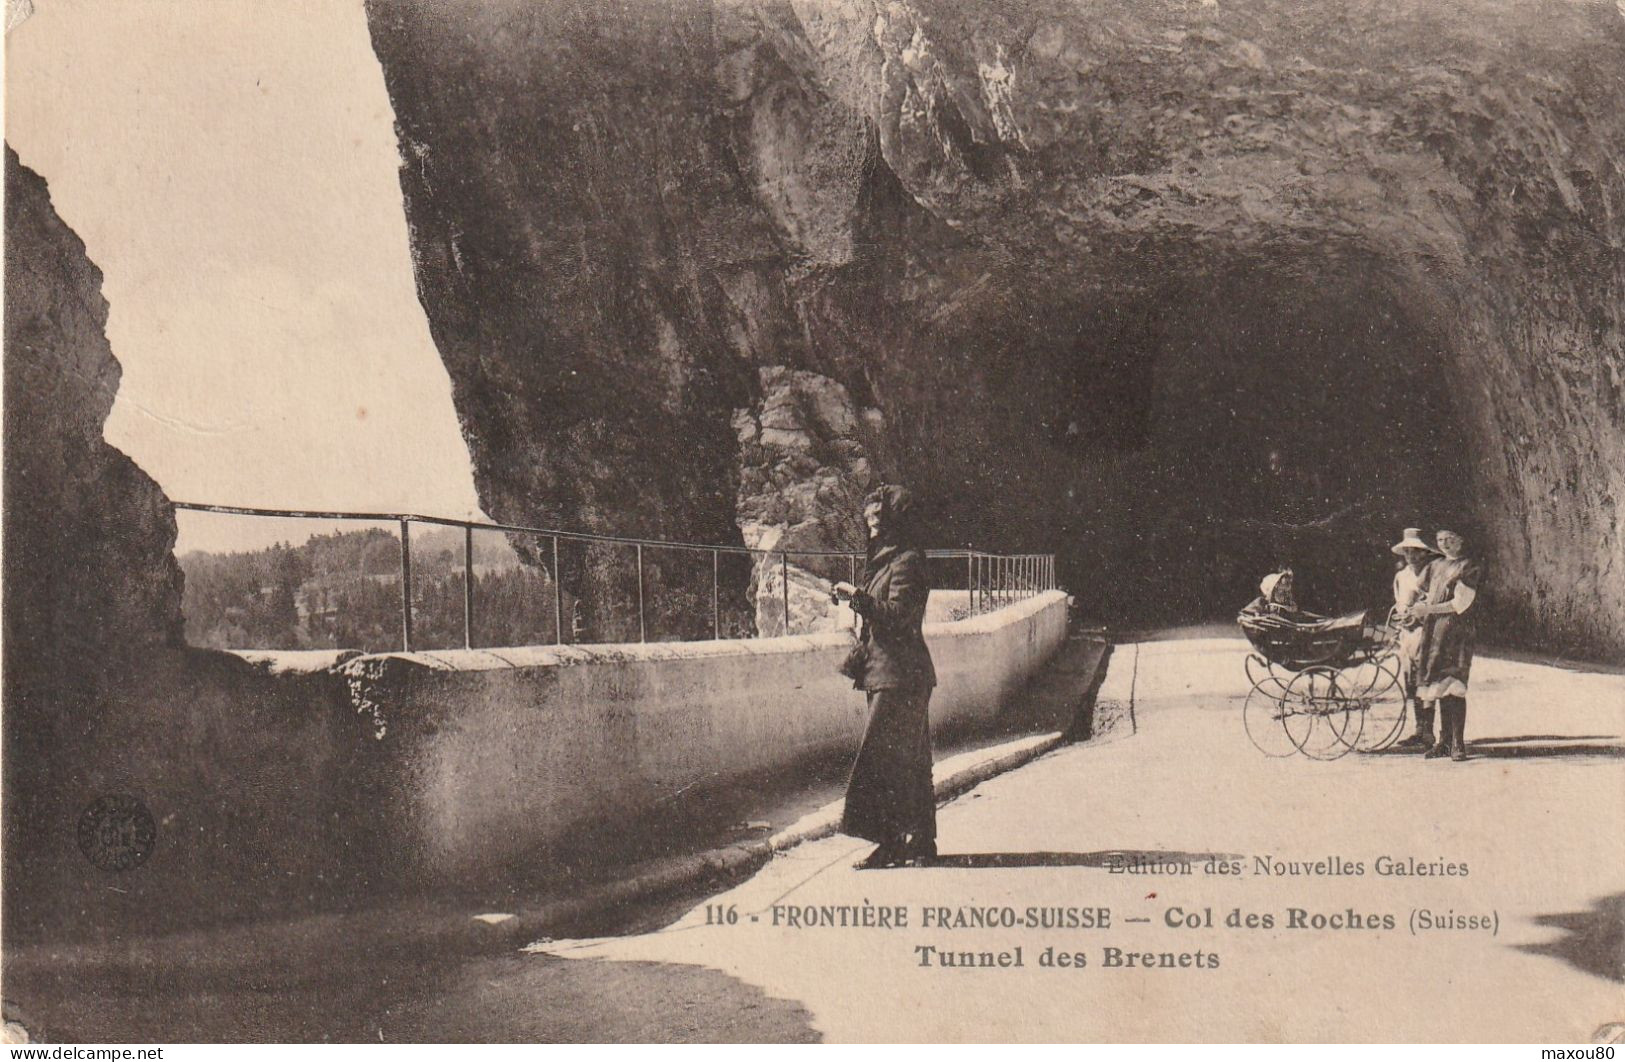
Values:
[(892, 604)]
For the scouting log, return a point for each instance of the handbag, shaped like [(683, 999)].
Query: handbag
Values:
[(856, 664)]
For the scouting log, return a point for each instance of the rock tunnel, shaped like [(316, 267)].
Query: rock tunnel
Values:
[(1177, 291)]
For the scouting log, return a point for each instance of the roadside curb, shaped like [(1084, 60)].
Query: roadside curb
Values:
[(824, 822), (736, 860)]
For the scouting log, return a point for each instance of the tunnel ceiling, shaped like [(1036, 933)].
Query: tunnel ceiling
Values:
[(1174, 289)]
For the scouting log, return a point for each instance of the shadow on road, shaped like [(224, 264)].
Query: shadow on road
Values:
[(330, 980), (1145, 860), (1593, 941), (1512, 748), (1551, 737)]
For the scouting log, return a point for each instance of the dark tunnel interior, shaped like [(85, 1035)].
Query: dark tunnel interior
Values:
[(1180, 438)]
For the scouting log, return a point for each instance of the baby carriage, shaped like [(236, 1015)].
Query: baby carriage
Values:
[(1322, 686)]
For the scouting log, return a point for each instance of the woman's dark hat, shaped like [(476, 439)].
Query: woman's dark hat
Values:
[(896, 509)]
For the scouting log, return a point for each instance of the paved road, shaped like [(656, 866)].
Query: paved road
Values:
[(1536, 816)]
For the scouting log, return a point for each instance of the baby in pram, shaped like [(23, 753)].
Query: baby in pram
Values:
[(1276, 599), (1277, 605)]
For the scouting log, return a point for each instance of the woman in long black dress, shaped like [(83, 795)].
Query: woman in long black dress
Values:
[(889, 799)]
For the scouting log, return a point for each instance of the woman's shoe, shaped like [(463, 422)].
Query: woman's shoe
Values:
[(922, 853), (886, 856)]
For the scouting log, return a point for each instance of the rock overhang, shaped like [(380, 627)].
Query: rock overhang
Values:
[(956, 209)]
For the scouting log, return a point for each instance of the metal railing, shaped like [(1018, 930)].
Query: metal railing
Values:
[(990, 580)]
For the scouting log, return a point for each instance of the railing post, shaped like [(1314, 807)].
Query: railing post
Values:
[(716, 599), (642, 631), (468, 587), (558, 596), (784, 575), (970, 580), (406, 586)]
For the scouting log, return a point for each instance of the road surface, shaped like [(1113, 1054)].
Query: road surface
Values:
[(1535, 817), (1532, 823)]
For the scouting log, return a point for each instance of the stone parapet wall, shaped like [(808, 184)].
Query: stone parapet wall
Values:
[(486, 755)]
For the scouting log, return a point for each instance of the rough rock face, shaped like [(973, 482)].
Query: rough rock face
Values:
[(260, 781), (90, 579), (1175, 289), (88, 565), (805, 466), (101, 695), (90, 582)]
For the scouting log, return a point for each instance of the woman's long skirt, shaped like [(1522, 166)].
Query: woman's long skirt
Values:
[(889, 796)]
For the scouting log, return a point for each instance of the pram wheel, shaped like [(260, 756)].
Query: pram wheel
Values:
[(1264, 716), (1332, 683), (1382, 701), (1322, 722)]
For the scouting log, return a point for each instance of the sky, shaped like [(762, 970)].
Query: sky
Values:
[(231, 167)]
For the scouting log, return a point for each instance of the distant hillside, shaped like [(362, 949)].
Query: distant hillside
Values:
[(342, 590)]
